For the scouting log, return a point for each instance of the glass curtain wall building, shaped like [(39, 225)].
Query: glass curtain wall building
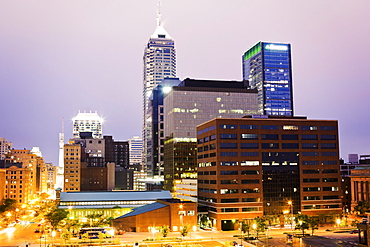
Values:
[(268, 68), (159, 62)]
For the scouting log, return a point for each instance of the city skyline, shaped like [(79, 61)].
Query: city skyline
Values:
[(59, 58)]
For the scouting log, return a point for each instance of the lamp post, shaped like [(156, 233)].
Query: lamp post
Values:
[(338, 221), (291, 213), (53, 233)]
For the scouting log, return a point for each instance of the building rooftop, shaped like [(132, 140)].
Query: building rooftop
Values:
[(114, 196), (144, 209)]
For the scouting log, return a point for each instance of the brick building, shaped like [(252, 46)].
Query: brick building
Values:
[(254, 166)]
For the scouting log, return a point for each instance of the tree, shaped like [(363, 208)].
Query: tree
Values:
[(362, 207), (184, 231), (313, 223), (165, 230), (302, 222), (66, 236), (245, 227), (8, 205), (204, 221), (260, 225), (55, 216)]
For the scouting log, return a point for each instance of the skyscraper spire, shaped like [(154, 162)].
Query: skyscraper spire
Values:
[(159, 13)]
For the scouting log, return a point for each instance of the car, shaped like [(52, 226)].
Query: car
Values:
[(37, 230), (353, 231)]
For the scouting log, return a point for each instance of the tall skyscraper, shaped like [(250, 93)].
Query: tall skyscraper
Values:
[(136, 149), (87, 122), (268, 67), (159, 62)]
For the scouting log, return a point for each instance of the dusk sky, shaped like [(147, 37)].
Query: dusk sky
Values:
[(59, 57)]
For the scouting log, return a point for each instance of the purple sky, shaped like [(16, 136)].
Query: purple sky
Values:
[(58, 57)]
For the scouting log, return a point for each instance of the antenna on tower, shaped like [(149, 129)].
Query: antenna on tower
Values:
[(159, 13), (63, 125)]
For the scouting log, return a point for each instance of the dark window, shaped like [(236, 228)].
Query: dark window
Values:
[(329, 180), (229, 154), (245, 191), (250, 181), (289, 137), (328, 145), (228, 145), (330, 188), (229, 173), (329, 162), (310, 145), (290, 145), (234, 181), (328, 137), (229, 200), (309, 137), (249, 154), (329, 153), (269, 127), (250, 199), (249, 145), (228, 136), (212, 155), (212, 146), (270, 137), (250, 209), (311, 171), (270, 145), (310, 162), (330, 171), (212, 137), (250, 172), (212, 173), (250, 127), (311, 180), (311, 198), (227, 210), (310, 154), (328, 127), (308, 189), (330, 197)]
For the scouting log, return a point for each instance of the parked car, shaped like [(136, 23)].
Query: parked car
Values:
[(353, 231)]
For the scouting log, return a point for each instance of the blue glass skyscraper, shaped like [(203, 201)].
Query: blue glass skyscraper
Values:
[(268, 68)]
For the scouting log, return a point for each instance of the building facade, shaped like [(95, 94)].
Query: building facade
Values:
[(189, 104), (88, 122), (251, 167), (5, 147), (268, 67), (159, 62)]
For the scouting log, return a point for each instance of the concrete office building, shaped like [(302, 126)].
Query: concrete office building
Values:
[(255, 166), (268, 67), (5, 147), (159, 62), (193, 102)]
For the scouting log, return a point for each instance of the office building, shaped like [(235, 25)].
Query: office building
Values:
[(155, 138), (268, 68), (5, 147), (360, 189), (193, 102), (267, 165), (87, 122), (159, 62), (135, 145)]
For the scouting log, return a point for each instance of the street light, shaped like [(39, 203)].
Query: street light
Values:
[(53, 233), (291, 212), (338, 222)]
